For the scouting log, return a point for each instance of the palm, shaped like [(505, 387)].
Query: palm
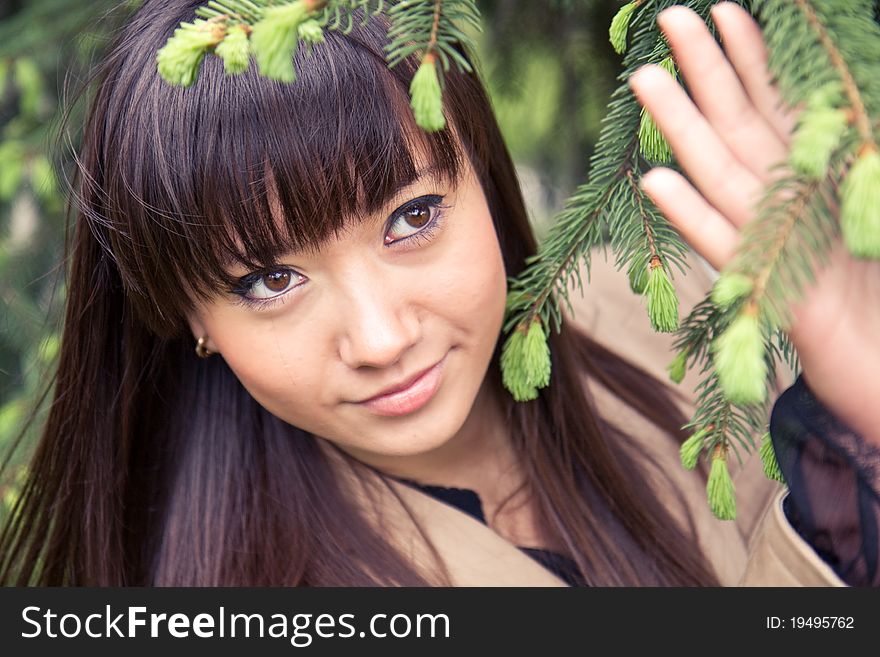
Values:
[(728, 139)]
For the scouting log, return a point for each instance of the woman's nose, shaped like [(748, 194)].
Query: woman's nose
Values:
[(380, 327)]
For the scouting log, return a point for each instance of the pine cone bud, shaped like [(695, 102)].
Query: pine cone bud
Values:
[(274, 39), (739, 360), (427, 97), (691, 449), (620, 26), (525, 362), (652, 143), (818, 135), (720, 490), (310, 32), (678, 367), (860, 205), (662, 300), (179, 59), (234, 50), (729, 287)]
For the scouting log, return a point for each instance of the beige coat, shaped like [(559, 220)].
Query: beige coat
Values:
[(760, 548)]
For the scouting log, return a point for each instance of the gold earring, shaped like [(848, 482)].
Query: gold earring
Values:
[(201, 350)]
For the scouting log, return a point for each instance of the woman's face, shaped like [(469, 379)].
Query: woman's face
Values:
[(417, 286)]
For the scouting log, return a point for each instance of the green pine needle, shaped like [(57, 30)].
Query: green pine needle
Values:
[(678, 367), (720, 490), (427, 97), (234, 50), (620, 26), (662, 301), (274, 39), (860, 206), (818, 135), (525, 362), (179, 59), (310, 32), (652, 143), (730, 287), (768, 459), (638, 278), (739, 360), (692, 448)]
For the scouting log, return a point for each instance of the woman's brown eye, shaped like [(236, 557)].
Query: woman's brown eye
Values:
[(418, 215), (277, 281)]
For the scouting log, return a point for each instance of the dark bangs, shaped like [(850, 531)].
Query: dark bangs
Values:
[(242, 168)]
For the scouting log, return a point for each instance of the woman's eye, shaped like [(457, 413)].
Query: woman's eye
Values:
[(418, 217), (264, 288)]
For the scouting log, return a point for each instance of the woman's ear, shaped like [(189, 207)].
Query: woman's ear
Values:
[(197, 326)]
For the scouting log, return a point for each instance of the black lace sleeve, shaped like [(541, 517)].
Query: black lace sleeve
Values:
[(833, 477)]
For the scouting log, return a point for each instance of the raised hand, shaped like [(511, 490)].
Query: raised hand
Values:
[(727, 137)]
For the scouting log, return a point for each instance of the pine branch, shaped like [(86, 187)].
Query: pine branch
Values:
[(604, 205), (271, 31), (825, 55)]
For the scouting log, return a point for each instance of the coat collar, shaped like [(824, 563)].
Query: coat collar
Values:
[(472, 553)]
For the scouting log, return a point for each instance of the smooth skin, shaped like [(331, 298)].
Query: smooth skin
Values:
[(726, 136)]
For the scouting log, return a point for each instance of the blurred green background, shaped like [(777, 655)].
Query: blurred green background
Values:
[(548, 65)]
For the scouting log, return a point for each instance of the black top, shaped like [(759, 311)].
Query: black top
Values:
[(833, 477)]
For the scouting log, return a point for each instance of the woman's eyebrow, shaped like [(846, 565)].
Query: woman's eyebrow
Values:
[(432, 173)]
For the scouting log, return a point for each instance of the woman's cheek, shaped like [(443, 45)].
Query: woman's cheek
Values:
[(261, 360), (483, 281)]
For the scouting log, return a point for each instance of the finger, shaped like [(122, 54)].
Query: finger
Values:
[(706, 159), (718, 92), (744, 45), (701, 225)]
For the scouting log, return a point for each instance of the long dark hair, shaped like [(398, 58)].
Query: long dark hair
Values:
[(156, 467)]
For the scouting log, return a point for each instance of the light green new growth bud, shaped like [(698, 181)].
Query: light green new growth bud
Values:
[(818, 134), (525, 362), (720, 490), (310, 32), (652, 143), (427, 97), (234, 50), (180, 57), (668, 65), (739, 360), (620, 26), (768, 459), (638, 278), (274, 38), (662, 300), (860, 205), (678, 366), (691, 449), (729, 287)]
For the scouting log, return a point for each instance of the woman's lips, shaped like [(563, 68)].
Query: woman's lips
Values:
[(410, 399)]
